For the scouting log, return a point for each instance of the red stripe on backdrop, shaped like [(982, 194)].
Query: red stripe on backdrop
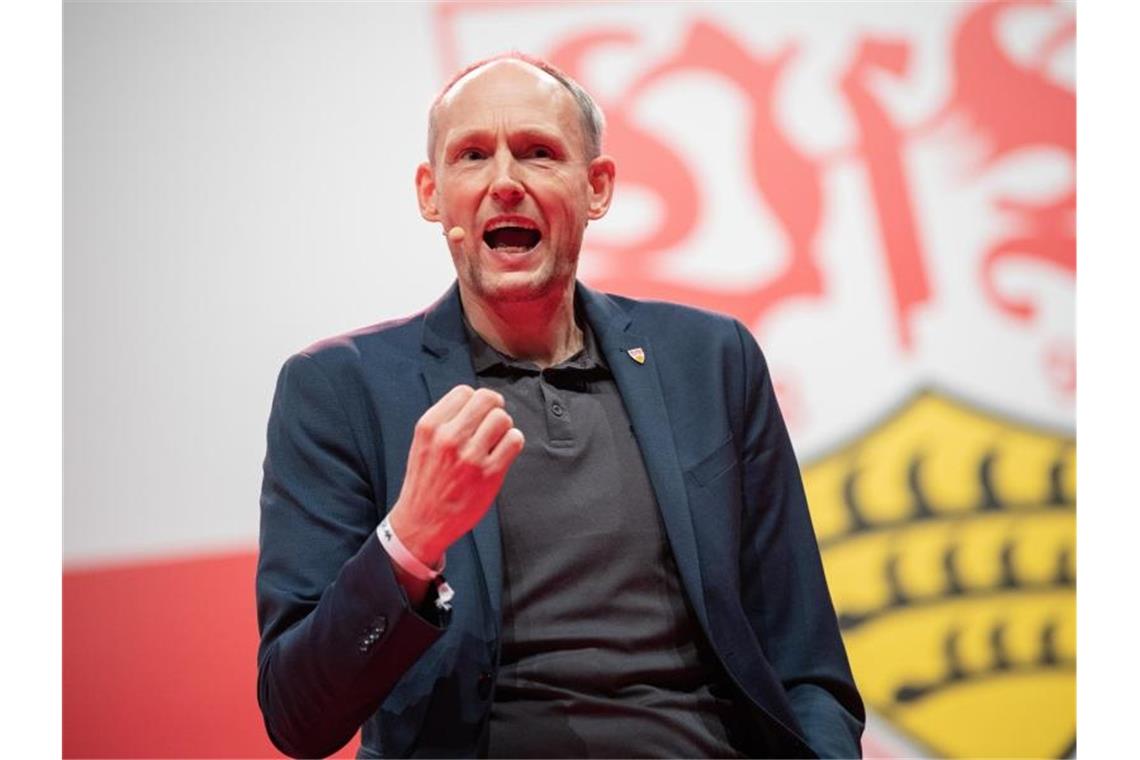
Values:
[(160, 660)]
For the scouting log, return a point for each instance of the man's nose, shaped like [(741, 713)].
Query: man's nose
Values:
[(505, 187)]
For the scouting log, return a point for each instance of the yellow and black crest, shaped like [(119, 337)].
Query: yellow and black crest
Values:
[(948, 537)]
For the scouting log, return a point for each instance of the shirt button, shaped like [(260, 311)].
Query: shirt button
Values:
[(557, 409)]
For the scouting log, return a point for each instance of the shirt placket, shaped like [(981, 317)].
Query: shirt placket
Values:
[(556, 405)]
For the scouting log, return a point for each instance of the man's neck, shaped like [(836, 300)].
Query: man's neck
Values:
[(542, 331)]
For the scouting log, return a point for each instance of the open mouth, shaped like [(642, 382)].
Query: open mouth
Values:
[(512, 239)]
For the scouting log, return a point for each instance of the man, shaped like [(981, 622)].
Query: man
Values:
[(607, 484)]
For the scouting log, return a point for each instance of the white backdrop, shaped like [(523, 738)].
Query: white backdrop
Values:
[(238, 184)]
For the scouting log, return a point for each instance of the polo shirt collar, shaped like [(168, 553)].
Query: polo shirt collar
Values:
[(485, 357)]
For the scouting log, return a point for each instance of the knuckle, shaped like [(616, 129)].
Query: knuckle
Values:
[(424, 429), (486, 395), (446, 438), (470, 459)]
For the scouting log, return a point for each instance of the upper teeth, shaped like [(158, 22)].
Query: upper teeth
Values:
[(499, 225)]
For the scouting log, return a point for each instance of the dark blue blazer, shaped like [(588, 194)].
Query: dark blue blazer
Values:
[(340, 647)]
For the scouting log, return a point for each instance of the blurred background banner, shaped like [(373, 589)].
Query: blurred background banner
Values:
[(884, 193)]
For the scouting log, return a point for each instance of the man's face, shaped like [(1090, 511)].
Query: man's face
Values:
[(510, 167)]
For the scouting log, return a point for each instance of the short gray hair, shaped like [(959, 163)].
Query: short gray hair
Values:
[(593, 121)]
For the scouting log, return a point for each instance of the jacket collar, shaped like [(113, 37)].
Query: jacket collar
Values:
[(448, 363)]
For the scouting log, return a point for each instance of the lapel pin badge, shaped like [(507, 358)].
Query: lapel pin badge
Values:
[(637, 354)]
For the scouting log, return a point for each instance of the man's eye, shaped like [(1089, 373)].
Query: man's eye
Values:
[(471, 154), (541, 151)]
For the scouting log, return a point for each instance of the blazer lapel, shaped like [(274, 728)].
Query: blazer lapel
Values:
[(446, 364), (640, 389)]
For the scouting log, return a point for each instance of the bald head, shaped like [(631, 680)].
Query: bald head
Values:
[(590, 117)]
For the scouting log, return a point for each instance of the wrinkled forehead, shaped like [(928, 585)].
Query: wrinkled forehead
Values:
[(507, 88)]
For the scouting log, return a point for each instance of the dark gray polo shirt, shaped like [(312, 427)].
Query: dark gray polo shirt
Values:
[(601, 655)]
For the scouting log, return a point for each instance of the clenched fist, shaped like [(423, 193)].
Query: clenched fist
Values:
[(461, 450)]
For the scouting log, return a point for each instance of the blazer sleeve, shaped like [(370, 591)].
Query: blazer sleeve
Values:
[(336, 628), (784, 590)]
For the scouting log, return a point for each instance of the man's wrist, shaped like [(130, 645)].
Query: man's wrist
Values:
[(415, 537), (404, 557)]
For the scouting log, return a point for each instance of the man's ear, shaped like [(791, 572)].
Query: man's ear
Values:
[(601, 177), (425, 192)]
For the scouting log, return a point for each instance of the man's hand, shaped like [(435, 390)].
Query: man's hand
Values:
[(461, 450)]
